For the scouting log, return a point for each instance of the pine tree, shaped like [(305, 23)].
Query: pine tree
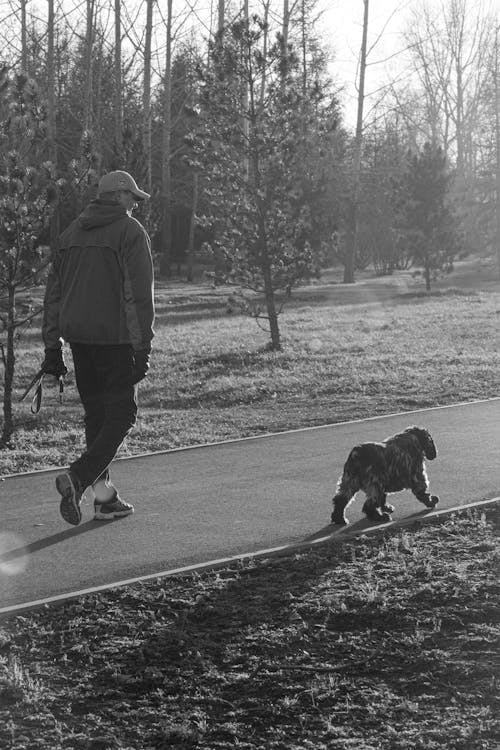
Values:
[(429, 226), (259, 154), (26, 194)]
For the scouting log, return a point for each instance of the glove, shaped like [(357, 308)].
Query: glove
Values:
[(141, 364), (53, 364)]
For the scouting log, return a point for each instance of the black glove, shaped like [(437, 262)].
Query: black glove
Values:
[(141, 364), (53, 364)]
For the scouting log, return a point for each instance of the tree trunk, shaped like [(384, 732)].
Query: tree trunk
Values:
[(100, 104), (286, 24), (220, 17), (9, 360), (192, 227), (166, 213), (352, 228), (269, 293), (496, 73), (24, 38), (271, 310), (265, 44), (89, 44), (146, 110), (245, 103), (303, 48), (118, 86), (51, 113), (427, 276)]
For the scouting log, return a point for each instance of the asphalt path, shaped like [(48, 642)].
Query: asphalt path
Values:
[(200, 504)]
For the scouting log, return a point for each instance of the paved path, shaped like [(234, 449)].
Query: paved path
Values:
[(200, 504)]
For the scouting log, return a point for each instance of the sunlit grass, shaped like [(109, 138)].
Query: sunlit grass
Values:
[(213, 376)]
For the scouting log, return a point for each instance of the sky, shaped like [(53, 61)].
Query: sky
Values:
[(341, 24), (343, 28), (387, 21)]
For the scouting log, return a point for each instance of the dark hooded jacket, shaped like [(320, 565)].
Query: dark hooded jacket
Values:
[(100, 285)]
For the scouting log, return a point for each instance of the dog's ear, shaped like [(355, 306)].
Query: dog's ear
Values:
[(426, 442)]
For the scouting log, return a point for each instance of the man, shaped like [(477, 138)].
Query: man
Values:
[(99, 299)]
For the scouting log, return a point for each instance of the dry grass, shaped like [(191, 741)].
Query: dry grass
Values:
[(379, 347)]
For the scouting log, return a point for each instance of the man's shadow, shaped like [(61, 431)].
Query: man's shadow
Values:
[(49, 541)]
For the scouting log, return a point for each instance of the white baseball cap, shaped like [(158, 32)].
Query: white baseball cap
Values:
[(119, 180)]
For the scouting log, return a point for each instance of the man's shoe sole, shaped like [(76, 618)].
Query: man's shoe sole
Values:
[(69, 507)]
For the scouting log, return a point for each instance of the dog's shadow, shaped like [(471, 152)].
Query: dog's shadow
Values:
[(334, 531)]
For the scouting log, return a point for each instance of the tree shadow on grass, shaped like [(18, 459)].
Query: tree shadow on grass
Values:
[(245, 596)]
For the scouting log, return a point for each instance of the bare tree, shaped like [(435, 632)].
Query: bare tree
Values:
[(352, 217), (166, 176), (265, 44), (496, 88), (24, 37), (451, 65), (51, 109), (146, 105), (118, 113), (220, 16), (89, 45), (192, 225), (286, 23)]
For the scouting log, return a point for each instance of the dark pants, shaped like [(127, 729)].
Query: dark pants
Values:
[(104, 376)]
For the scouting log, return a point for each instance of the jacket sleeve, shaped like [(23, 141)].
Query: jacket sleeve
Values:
[(50, 324), (138, 285)]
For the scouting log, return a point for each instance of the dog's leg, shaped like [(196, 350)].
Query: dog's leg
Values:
[(340, 503), (384, 505), (346, 491), (421, 490), (374, 506)]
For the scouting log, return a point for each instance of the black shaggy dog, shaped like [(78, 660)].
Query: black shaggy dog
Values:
[(380, 468)]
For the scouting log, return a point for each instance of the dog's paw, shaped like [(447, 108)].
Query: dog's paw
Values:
[(377, 516), (339, 519), (388, 509), (434, 499)]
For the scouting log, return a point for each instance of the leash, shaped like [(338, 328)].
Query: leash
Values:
[(37, 384)]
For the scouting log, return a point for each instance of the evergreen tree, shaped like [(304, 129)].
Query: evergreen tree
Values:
[(260, 149), (429, 226), (26, 194)]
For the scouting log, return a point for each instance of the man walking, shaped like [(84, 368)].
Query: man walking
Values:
[(99, 299)]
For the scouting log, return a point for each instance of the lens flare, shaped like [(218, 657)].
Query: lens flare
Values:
[(13, 554), (315, 344)]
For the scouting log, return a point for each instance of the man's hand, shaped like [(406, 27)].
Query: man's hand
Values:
[(141, 364), (53, 364)]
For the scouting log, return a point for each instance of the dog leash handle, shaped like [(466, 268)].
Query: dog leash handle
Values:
[(36, 401), (37, 384)]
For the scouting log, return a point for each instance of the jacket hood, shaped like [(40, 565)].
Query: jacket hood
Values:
[(100, 213)]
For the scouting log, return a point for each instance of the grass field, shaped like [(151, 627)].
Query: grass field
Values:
[(384, 643), (377, 347)]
